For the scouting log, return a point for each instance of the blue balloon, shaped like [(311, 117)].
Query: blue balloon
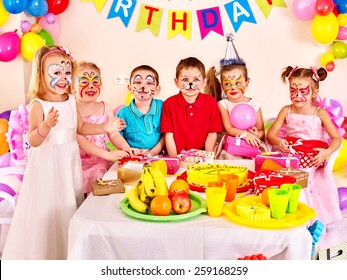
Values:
[(15, 6), (37, 8), (342, 8)]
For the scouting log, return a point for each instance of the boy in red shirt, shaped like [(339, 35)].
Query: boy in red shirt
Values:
[(190, 119)]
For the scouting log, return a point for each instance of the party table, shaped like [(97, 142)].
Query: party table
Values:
[(100, 230)]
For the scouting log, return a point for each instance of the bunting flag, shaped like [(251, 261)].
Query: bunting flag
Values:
[(99, 4), (123, 9), (239, 11), (209, 20), (179, 22), (266, 5), (149, 17)]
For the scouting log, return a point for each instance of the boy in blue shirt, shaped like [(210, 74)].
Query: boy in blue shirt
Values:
[(143, 114)]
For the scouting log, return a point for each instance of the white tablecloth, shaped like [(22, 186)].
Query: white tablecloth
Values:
[(100, 230)]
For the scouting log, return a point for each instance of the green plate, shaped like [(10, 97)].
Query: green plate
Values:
[(198, 207)]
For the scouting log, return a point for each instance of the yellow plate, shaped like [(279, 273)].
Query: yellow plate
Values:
[(302, 215)]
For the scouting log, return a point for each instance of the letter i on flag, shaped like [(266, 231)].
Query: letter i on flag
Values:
[(179, 22), (150, 17), (209, 20), (123, 9), (266, 5)]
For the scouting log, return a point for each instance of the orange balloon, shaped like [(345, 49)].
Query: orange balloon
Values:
[(36, 28), (4, 147), (3, 126)]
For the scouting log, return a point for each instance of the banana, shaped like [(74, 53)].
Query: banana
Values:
[(135, 202), (148, 182), (159, 181), (142, 194)]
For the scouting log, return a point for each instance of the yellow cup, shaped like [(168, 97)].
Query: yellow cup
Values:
[(215, 197)]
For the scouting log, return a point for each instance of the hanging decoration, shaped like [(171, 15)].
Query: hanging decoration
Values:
[(99, 4), (267, 5)]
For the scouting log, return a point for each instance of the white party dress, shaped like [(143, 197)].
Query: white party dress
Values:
[(51, 192)]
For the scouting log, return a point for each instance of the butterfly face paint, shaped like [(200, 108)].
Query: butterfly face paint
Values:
[(89, 80), (299, 94), (230, 83), (60, 72), (143, 86)]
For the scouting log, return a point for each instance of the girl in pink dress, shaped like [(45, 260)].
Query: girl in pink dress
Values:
[(304, 120), (95, 156)]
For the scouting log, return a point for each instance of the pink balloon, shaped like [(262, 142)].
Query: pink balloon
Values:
[(9, 46), (243, 116), (304, 9), (52, 28), (342, 35), (342, 197)]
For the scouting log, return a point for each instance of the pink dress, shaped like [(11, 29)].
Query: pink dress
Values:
[(93, 167), (321, 193)]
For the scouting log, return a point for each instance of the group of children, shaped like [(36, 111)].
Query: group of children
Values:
[(54, 185)]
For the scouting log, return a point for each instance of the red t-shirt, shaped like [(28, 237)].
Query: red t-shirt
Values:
[(190, 123)]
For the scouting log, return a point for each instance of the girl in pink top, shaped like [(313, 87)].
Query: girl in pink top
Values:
[(304, 120)]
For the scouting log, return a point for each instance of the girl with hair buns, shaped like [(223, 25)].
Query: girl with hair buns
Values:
[(304, 120)]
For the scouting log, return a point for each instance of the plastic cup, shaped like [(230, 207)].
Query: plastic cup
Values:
[(279, 199), (294, 190), (215, 197), (231, 185)]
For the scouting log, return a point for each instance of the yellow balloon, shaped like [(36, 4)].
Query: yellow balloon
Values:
[(325, 28), (3, 14), (128, 98), (342, 19), (30, 43), (326, 58), (341, 160)]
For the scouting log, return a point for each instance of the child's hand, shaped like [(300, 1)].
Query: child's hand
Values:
[(253, 130), (132, 151), (52, 117), (319, 159), (114, 125), (117, 154), (121, 124), (283, 146), (252, 140)]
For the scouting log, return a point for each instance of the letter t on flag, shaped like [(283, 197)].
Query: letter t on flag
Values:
[(266, 5), (209, 20), (123, 9), (150, 17)]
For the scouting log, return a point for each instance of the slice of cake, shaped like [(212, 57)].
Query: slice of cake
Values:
[(202, 174)]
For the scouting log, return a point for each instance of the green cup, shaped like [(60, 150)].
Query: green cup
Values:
[(294, 190), (279, 199)]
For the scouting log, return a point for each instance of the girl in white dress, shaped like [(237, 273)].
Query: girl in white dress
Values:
[(52, 187)]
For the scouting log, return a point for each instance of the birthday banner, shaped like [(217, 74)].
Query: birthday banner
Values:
[(180, 21)]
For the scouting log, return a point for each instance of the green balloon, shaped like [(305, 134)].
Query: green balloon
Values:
[(340, 49), (44, 34)]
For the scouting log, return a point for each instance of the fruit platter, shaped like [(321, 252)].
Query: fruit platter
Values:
[(151, 199), (301, 216)]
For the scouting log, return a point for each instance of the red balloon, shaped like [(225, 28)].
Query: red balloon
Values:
[(324, 7), (330, 66), (57, 6)]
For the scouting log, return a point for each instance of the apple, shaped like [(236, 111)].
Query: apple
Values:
[(172, 193), (181, 203)]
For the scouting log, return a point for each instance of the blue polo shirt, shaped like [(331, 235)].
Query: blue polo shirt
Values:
[(142, 130)]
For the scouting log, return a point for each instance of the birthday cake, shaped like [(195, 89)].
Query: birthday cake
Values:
[(202, 174)]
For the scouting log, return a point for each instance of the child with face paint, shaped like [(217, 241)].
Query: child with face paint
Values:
[(143, 113), (95, 156), (52, 188), (305, 120), (234, 82), (191, 119)]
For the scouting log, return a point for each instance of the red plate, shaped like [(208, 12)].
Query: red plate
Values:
[(202, 189)]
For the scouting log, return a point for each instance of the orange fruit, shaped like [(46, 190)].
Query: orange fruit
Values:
[(179, 184), (265, 196), (161, 205)]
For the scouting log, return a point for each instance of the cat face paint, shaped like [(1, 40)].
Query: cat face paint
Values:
[(60, 73), (299, 94), (89, 80), (143, 86), (190, 83)]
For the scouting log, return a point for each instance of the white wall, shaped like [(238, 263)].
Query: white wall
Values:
[(267, 47)]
